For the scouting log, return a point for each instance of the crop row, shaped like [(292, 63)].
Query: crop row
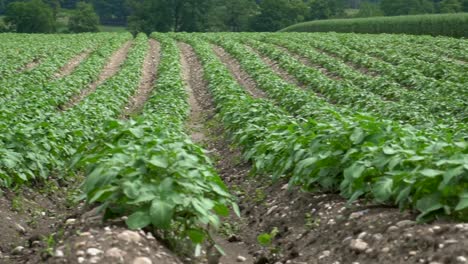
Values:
[(450, 103), (149, 168), (356, 154), (16, 51), (38, 102), (32, 150), (420, 57), (372, 94), (340, 92), (56, 55), (406, 74)]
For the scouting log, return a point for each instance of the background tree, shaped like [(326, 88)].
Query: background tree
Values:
[(450, 6), (111, 12), (84, 19), (325, 9), (277, 14), (406, 7), (368, 9), (31, 17)]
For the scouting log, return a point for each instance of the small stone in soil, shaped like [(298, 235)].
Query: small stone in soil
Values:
[(129, 236), (142, 260), (461, 259), (17, 250), (392, 228), (241, 259), (81, 260), (359, 245), (405, 223), (59, 253), (20, 229), (93, 251), (70, 221), (115, 253)]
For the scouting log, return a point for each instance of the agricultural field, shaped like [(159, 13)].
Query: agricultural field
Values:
[(233, 148)]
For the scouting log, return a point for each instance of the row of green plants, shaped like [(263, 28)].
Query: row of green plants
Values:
[(452, 25), (40, 144), (375, 94), (357, 154), (340, 92), (37, 103), (18, 50), (401, 52), (54, 56), (449, 104), (148, 168)]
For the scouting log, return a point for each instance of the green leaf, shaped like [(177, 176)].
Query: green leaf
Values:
[(197, 236), (428, 205), (355, 171), (383, 189), (448, 175), (138, 220), (463, 203), (264, 239), (220, 250), (159, 161), (431, 173), (357, 136), (236, 209), (131, 189), (137, 132), (221, 209), (161, 214), (388, 150)]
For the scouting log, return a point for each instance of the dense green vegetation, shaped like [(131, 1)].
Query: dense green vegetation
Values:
[(209, 15), (375, 117), (453, 25)]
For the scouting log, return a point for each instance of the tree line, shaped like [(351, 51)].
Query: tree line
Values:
[(208, 15)]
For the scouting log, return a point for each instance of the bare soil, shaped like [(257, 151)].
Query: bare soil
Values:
[(31, 215), (30, 65), (240, 75), (111, 68), (149, 72), (68, 68), (202, 114)]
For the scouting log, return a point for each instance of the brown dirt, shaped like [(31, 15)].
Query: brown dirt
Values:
[(72, 64), (111, 242), (150, 68), (241, 76), (30, 65), (30, 215), (276, 68), (202, 114), (109, 70)]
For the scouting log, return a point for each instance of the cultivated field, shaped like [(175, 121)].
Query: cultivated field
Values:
[(299, 147)]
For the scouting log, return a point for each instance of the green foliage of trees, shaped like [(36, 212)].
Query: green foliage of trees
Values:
[(406, 7), (84, 19), (31, 17), (324, 9), (369, 9), (277, 14)]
